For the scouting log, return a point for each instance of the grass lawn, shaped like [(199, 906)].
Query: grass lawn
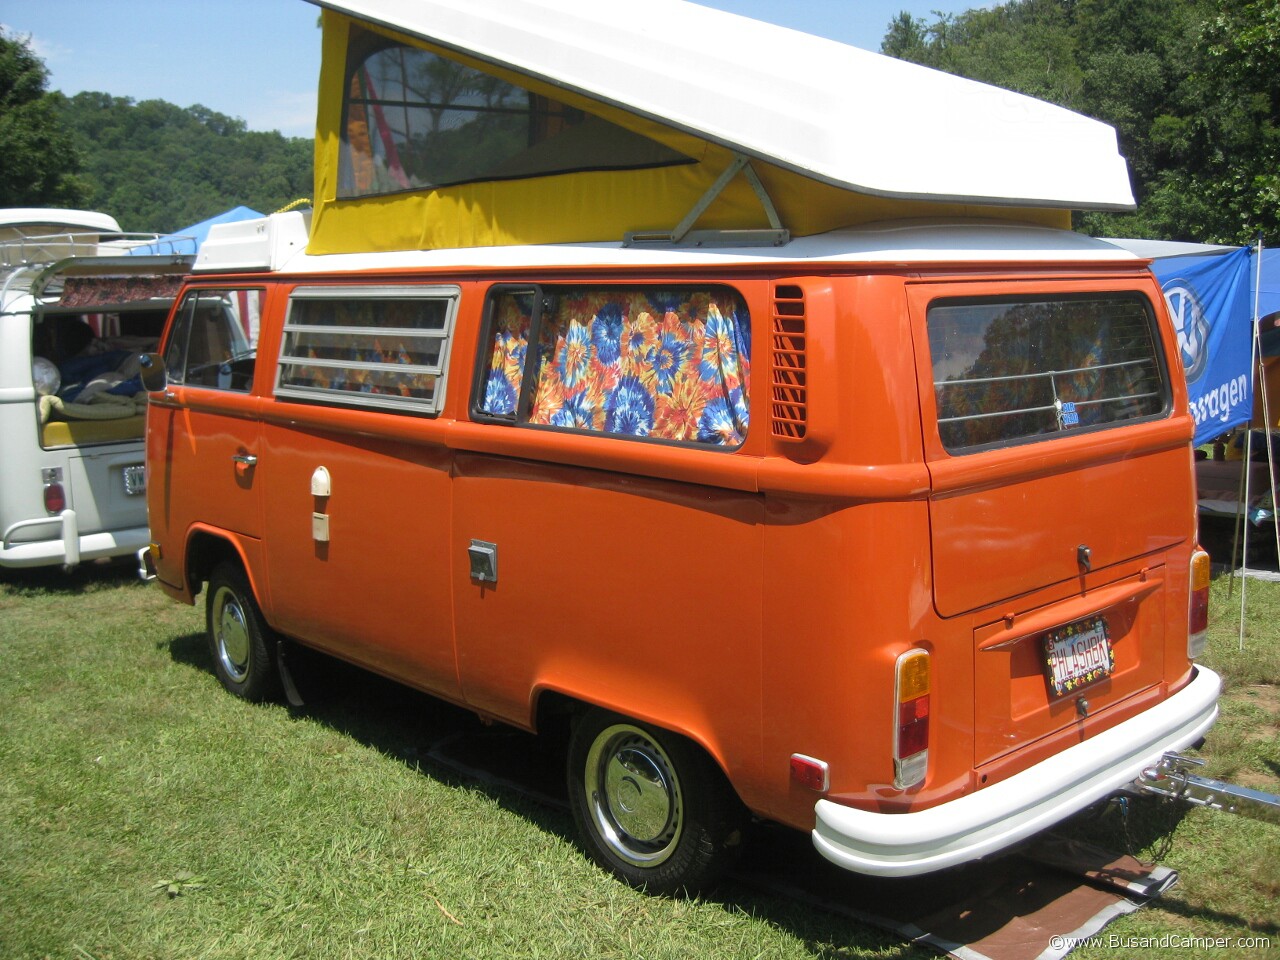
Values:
[(144, 813)]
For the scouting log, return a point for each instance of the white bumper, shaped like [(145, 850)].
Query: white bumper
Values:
[(998, 816), (69, 547)]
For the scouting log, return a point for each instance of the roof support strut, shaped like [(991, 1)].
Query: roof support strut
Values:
[(684, 235)]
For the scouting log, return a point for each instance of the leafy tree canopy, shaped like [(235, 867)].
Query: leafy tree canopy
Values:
[(156, 166), (153, 166), (1190, 86), (40, 166)]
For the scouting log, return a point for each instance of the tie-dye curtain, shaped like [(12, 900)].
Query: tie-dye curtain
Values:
[(665, 364), (513, 313)]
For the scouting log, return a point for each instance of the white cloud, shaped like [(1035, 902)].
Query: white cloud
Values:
[(46, 50)]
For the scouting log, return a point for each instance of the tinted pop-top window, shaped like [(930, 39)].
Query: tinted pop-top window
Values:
[(1009, 371), (413, 120)]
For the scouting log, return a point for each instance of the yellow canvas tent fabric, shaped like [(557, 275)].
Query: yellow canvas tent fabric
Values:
[(582, 206)]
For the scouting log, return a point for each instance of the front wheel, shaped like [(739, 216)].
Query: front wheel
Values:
[(239, 638), (652, 808)]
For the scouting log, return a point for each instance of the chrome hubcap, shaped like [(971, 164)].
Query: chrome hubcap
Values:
[(634, 795), (231, 634)]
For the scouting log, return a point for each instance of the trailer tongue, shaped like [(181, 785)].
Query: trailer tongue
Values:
[(1172, 777)]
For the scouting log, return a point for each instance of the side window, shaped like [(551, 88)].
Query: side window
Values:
[(214, 338), (661, 363), (1018, 370), (384, 347)]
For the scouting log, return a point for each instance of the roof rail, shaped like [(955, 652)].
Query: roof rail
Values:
[(50, 247)]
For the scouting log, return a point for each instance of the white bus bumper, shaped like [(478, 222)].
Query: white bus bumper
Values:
[(68, 547), (998, 816)]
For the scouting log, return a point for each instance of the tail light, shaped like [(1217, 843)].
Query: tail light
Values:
[(911, 728), (55, 498), (1198, 614)]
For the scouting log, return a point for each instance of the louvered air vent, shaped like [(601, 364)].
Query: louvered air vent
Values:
[(788, 411)]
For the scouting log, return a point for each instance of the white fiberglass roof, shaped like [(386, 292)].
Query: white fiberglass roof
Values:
[(836, 113), (34, 220), (43, 234), (278, 243)]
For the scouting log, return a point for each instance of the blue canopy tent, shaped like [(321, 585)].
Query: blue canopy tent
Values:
[(1209, 290), (1214, 294), (1268, 287), (188, 239)]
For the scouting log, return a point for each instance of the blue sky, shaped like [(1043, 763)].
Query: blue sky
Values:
[(258, 59)]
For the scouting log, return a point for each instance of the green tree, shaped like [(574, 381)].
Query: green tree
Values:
[(40, 164), (1237, 145), (907, 39), (1027, 46), (1189, 85), (159, 167)]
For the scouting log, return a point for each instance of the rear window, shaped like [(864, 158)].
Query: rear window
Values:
[(1011, 371)]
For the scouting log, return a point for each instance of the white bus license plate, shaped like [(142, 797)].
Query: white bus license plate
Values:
[(1077, 655), (135, 480)]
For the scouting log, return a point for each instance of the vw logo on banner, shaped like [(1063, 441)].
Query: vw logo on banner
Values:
[(1191, 325), (1208, 300)]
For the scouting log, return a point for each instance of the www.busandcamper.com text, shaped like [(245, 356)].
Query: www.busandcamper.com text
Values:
[(1168, 941)]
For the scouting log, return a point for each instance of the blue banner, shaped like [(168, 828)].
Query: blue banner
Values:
[(1210, 301)]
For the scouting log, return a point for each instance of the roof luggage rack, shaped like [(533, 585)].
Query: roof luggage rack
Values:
[(26, 251)]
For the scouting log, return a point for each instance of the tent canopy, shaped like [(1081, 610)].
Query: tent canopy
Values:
[(1268, 290), (1213, 292), (1264, 281), (188, 239)]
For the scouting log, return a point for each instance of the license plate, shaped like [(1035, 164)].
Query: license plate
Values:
[(135, 480), (1077, 655)]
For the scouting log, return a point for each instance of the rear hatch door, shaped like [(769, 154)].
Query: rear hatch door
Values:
[(1061, 482)]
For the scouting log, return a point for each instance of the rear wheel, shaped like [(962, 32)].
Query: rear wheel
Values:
[(651, 806), (239, 638)]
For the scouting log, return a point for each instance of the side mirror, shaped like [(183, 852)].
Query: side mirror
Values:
[(151, 368)]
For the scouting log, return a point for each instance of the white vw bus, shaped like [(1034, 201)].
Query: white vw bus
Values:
[(76, 310)]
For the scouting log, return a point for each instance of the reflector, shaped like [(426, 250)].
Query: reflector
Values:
[(809, 772)]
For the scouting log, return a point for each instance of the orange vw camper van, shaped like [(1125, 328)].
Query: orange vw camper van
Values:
[(836, 486)]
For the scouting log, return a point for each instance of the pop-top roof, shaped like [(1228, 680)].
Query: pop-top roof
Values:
[(42, 234), (48, 219), (845, 116)]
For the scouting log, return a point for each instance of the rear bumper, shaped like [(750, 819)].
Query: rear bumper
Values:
[(68, 546), (996, 817)]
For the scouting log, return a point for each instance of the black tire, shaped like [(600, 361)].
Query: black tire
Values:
[(242, 645), (652, 808)]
